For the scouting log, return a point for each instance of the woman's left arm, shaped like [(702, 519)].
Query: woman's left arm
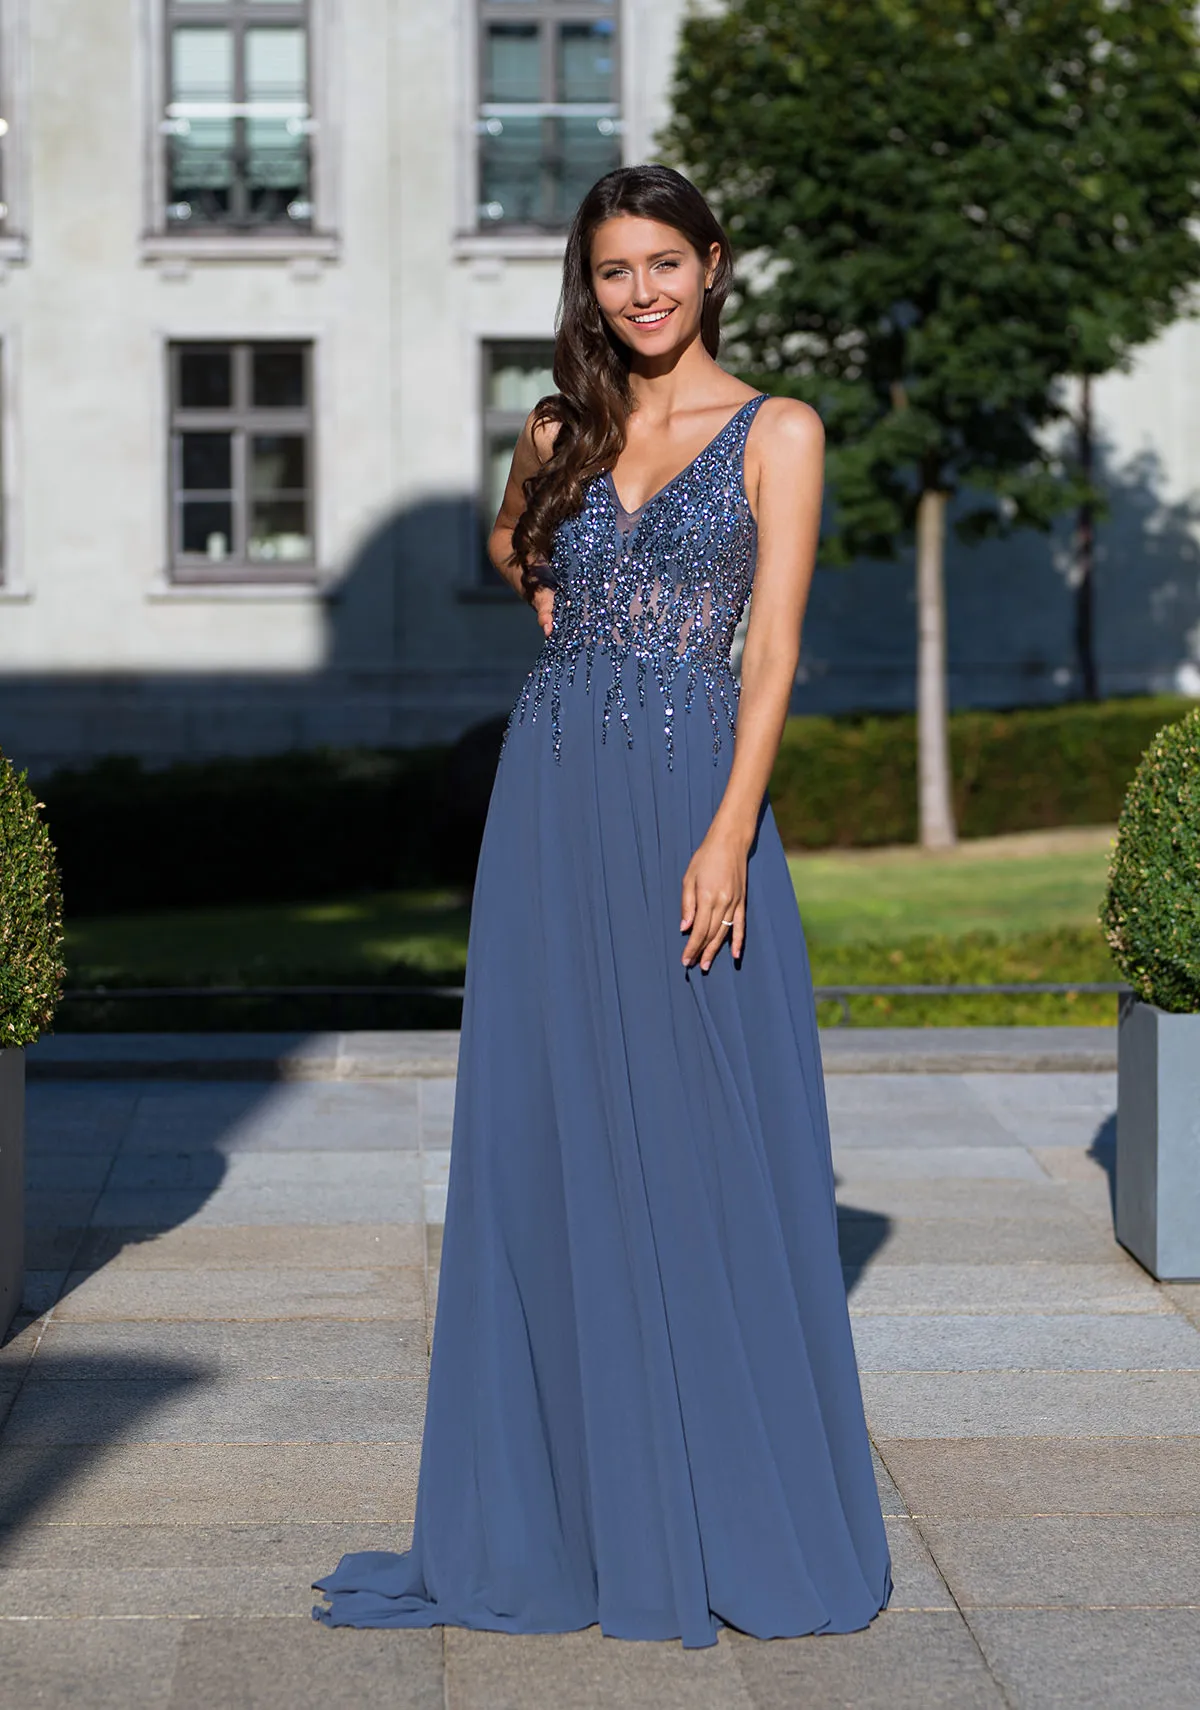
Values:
[(785, 490)]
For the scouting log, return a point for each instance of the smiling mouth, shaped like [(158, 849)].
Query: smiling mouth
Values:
[(651, 319)]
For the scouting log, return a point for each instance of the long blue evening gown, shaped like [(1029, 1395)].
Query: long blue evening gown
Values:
[(644, 1408)]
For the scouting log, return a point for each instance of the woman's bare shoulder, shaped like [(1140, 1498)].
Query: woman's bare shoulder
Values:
[(788, 427)]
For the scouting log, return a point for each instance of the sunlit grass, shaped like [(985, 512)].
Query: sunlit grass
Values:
[(1017, 911)]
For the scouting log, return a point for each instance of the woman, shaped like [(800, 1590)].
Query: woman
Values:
[(643, 1403)]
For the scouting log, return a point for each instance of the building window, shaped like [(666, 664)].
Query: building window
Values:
[(515, 376), (238, 122), (549, 115), (241, 462)]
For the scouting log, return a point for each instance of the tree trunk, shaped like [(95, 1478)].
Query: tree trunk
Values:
[(936, 804), (1085, 557)]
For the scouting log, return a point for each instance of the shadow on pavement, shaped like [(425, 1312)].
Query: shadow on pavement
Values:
[(861, 1235), (1103, 1150), (109, 1165), (63, 1412)]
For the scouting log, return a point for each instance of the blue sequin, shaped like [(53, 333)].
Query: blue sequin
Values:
[(665, 586)]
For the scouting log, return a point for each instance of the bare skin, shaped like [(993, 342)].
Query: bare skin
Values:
[(649, 283)]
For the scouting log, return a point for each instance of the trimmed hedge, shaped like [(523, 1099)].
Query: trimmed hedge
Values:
[(1152, 910), (31, 929), (309, 825), (849, 783), (288, 827)]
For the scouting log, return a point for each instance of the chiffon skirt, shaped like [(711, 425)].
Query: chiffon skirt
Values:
[(644, 1409)]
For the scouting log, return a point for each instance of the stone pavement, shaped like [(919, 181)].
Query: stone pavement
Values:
[(222, 1391)]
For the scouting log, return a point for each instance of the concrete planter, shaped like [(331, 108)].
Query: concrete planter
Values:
[(1158, 1139), (12, 1183)]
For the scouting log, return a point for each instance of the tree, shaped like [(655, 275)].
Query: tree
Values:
[(945, 207)]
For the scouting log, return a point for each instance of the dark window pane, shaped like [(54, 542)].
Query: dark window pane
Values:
[(586, 62), (584, 153), (279, 531), (278, 379), (207, 462), (208, 528), (512, 63), (511, 171), (205, 379), (278, 463)]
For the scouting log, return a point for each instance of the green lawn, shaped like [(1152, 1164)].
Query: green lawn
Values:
[(849, 897), (1017, 911)]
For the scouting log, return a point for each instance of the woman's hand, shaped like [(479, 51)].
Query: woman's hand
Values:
[(714, 895), (543, 605)]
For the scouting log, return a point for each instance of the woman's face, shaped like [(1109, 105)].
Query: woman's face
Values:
[(650, 283)]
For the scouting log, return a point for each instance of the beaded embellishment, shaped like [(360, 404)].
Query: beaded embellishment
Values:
[(664, 586)]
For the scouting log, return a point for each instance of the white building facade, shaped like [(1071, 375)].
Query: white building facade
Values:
[(277, 285)]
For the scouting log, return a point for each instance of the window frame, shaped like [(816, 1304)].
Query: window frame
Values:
[(14, 142), (162, 238), (545, 14), (242, 418)]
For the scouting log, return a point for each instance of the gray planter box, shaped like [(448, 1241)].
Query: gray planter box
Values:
[(1158, 1139), (12, 1183)]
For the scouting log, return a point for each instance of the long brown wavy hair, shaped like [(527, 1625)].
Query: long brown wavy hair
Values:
[(591, 365)]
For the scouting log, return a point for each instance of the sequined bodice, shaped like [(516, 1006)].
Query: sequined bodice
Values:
[(661, 588)]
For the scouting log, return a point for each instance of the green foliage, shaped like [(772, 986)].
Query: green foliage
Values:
[(289, 826), (301, 827), (976, 959), (847, 783), (1152, 911), (945, 206), (31, 932)]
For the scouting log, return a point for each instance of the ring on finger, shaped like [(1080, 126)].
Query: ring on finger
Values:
[(726, 923)]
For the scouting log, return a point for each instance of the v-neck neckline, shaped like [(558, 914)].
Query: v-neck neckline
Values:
[(687, 468)]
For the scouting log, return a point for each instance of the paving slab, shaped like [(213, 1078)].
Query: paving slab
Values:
[(587, 1671), (383, 1055), (1032, 1403), (165, 1548), (903, 1661), (1034, 1286), (1012, 1477), (1098, 1561), (208, 1484), (1036, 1200), (296, 1348), (327, 1246), (890, 1499), (371, 1174), (1057, 1342), (71, 1173), (1069, 1239), (97, 1664), (1093, 1660), (290, 1202), (297, 1665), (322, 1116), (1074, 1164), (250, 1295), (916, 1578), (53, 1248), (207, 1409), (900, 1130), (919, 1162), (968, 1050)]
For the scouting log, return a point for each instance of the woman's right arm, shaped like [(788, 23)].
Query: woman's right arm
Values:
[(532, 450)]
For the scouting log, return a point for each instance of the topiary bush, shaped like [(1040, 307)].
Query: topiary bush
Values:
[(1151, 914), (31, 930)]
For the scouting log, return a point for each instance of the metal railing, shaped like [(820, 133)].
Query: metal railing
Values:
[(840, 994)]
